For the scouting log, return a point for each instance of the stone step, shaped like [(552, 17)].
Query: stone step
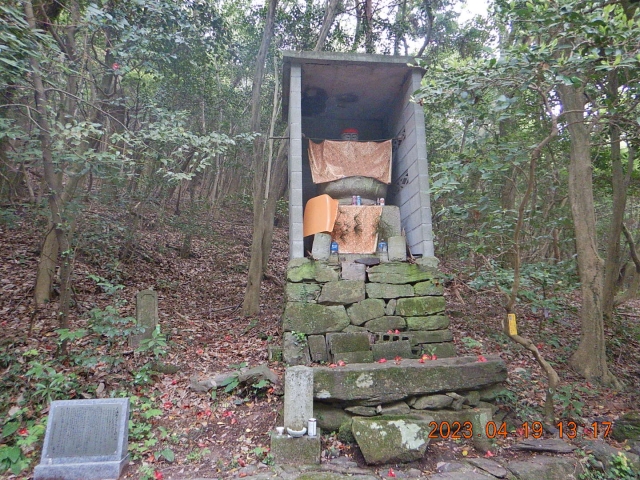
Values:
[(379, 383)]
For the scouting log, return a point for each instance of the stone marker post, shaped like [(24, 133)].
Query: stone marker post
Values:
[(298, 397), (146, 315)]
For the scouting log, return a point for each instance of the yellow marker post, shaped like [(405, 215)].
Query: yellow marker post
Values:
[(512, 327)]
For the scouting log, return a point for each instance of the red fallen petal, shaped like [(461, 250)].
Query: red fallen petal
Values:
[(421, 360), (382, 360), (426, 357), (489, 454), (341, 363), (481, 358), (23, 432), (398, 357), (391, 473), (333, 365), (397, 331), (234, 421), (158, 475), (434, 357), (389, 331)]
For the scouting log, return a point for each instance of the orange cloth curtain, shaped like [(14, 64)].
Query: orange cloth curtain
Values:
[(331, 160)]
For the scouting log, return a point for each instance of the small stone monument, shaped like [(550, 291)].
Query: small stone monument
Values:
[(298, 397), (146, 315), (298, 409), (85, 440)]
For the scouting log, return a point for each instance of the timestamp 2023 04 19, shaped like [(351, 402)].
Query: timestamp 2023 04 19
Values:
[(568, 429)]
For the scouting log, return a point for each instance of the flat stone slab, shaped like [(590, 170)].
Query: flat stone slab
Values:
[(547, 468), (378, 383), (489, 466), (553, 445), (391, 439)]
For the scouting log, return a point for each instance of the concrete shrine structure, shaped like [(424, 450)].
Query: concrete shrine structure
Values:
[(325, 93)]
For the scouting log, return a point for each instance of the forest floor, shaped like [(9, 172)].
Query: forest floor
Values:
[(179, 433)]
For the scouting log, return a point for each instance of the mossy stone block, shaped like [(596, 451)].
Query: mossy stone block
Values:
[(420, 306), (342, 292), (303, 450), (365, 310), (317, 348), (302, 292), (429, 288), (388, 290), (313, 319), (386, 323), (430, 322), (392, 438), (376, 383), (304, 269), (354, 357), (401, 273), (348, 342), (431, 336), (391, 350), (627, 427), (329, 418)]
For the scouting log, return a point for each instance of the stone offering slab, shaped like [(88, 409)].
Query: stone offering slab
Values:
[(85, 439)]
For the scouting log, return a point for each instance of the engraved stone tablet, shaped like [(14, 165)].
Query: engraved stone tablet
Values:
[(146, 315), (85, 439)]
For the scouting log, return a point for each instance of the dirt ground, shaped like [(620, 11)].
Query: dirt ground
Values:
[(200, 313)]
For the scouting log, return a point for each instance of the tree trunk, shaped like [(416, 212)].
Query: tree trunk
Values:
[(590, 358), (46, 268), (619, 186), (251, 303), (329, 16)]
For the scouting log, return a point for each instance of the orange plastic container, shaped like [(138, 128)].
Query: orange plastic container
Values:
[(320, 215)]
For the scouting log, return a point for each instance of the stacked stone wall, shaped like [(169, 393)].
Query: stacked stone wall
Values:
[(360, 314)]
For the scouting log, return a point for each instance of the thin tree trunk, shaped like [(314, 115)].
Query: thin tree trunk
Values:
[(590, 358), (329, 16), (251, 302), (619, 186)]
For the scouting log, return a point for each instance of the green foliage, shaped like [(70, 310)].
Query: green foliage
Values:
[(299, 337), (142, 434), (157, 344), (571, 400), (18, 441), (620, 468), (197, 455)]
